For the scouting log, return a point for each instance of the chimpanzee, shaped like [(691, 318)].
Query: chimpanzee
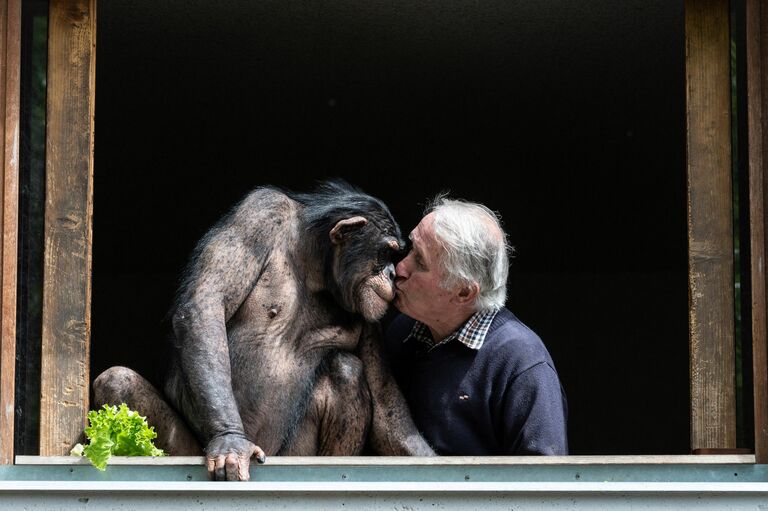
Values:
[(275, 336)]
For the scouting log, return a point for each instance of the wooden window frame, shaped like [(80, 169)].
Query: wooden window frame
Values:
[(69, 211), (10, 55), (757, 136)]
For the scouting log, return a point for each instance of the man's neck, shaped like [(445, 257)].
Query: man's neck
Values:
[(442, 327)]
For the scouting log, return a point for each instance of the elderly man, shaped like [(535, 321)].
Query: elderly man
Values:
[(476, 379)]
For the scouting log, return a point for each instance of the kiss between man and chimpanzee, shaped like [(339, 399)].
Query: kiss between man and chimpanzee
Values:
[(274, 344)]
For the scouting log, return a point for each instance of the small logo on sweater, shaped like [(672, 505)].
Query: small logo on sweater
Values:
[(463, 396)]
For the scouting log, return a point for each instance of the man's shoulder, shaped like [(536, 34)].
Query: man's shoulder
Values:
[(508, 328), (511, 340)]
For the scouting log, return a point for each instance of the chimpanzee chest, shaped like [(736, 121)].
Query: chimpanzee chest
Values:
[(279, 312)]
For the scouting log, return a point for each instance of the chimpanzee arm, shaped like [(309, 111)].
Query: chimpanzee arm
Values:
[(204, 360), (393, 432), (222, 272)]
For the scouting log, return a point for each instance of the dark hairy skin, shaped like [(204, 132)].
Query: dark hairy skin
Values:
[(275, 337)]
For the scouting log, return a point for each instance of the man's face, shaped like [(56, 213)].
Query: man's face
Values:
[(418, 293)]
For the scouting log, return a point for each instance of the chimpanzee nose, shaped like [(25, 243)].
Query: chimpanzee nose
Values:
[(391, 272)]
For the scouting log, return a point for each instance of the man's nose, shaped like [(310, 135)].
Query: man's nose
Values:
[(401, 270)]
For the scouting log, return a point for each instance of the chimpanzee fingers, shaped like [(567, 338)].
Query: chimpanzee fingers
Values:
[(232, 465), (228, 458), (219, 469), (243, 467), (259, 453)]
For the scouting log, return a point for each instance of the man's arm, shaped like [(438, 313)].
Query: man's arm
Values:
[(534, 414), (393, 432)]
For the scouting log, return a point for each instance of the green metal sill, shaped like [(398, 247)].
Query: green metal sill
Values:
[(343, 471), (488, 483)]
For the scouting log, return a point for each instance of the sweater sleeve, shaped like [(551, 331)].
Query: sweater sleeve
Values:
[(534, 413)]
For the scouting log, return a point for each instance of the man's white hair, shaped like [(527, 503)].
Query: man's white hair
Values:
[(475, 246)]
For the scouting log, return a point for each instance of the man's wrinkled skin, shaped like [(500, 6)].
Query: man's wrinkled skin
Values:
[(275, 340)]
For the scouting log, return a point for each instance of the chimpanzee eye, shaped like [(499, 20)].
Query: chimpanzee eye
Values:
[(389, 254)]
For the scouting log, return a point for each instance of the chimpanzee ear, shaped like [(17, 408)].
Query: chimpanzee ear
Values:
[(345, 226)]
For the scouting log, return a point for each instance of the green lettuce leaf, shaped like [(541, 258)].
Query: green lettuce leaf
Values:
[(118, 431)]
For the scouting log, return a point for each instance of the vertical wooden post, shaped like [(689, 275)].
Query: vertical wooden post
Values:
[(757, 135), (68, 224), (10, 55), (710, 224)]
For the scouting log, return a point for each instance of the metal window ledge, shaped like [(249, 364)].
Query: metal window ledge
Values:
[(685, 482)]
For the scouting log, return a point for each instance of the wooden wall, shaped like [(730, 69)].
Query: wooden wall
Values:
[(64, 398), (710, 224), (757, 127), (10, 30)]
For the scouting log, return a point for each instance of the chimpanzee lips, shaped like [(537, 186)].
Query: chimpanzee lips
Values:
[(386, 294)]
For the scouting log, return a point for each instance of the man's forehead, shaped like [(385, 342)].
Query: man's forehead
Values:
[(422, 233)]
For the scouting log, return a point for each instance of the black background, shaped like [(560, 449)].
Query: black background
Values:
[(566, 117)]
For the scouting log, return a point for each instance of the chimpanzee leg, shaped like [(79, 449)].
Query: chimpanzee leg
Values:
[(339, 414), (122, 385)]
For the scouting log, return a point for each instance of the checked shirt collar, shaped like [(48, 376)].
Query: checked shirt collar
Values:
[(471, 334)]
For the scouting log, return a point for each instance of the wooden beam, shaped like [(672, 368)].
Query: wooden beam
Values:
[(757, 136), (68, 224), (10, 55), (710, 224)]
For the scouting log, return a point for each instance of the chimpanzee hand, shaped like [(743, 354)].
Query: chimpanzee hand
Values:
[(228, 457)]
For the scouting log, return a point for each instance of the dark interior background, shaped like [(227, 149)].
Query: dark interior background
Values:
[(567, 118)]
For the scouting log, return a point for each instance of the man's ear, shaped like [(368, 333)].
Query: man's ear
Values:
[(467, 293), (343, 227)]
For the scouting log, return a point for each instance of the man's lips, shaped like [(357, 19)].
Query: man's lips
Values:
[(398, 290)]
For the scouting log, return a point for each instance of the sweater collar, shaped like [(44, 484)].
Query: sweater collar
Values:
[(471, 334)]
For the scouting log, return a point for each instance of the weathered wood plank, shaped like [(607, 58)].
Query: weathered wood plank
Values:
[(68, 224), (710, 227), (757, 133), (10, 55)]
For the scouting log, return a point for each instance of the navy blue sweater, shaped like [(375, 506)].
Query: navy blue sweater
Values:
[(503, 399)]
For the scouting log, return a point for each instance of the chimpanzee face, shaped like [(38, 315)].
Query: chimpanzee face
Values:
[(364, 267)]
